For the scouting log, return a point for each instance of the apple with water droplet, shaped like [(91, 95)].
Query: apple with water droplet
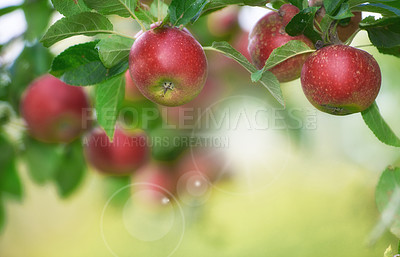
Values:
[(341, 79), (168, 65)]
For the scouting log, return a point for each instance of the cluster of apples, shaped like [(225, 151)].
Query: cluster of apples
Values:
[(169, 67), (55, 112), (336, 79)]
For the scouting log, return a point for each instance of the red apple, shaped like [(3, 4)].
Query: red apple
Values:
[(155, 182), (340, 79), (132, 93), (268, 34), (127, 152), (168, 66), (54, 111)]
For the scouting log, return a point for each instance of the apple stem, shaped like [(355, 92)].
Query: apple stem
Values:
[(332, 34)]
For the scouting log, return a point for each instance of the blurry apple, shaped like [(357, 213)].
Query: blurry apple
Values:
[(154, 183), (127, 152), (201, 162), (224, 21), (241, 43), (54, 111)]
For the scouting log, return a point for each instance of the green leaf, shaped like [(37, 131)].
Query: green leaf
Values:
[(383, 33), (71, 169), (9, 9), (299, 3), (343, 13), (41, 160), (69, 8), (268, 79), (109, 97), (37, 15), (159, 8), (80, 65), (123, 8), (145, 17), (86, 23), (181, 12), (385, 10), (280, 54), (331, 6), (379, 127), (9, 180), (395, 51), (303, 23), (114, 49), (387, 197)]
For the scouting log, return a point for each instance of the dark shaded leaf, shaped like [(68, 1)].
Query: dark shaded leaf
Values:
[(80, 65), (303, 23), (181, 12)]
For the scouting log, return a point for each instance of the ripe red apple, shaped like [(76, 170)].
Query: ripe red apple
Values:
[(155, 182), (127, 152), (340, 79), (168, 66), (132, 93), (54, 111), (268, 34)]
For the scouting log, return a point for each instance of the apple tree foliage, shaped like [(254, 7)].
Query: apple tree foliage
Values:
[(103, 61)]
